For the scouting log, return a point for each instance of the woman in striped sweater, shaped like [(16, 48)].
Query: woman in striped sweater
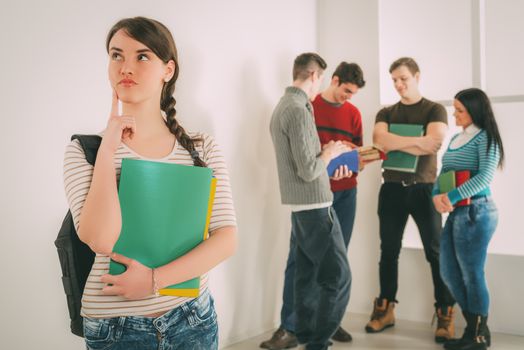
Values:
[(469, 228), (126, 311)]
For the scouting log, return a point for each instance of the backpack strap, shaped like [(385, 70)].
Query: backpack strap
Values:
[(90, 145)]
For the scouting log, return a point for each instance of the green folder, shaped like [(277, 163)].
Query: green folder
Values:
[(402, 161), (165, 213), (447, 182)]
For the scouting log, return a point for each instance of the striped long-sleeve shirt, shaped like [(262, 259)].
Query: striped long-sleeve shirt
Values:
[(472, 156), (77, 180)]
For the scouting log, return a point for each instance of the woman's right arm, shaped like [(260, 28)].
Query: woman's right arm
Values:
[(99, 218)]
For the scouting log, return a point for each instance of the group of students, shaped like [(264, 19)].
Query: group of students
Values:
[(127, 312), (308, 130)]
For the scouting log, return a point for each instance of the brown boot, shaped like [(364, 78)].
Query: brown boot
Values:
[(445, 324), (382, 316), (281, 339)]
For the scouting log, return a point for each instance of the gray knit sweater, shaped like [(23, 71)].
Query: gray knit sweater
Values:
[(302, 174)]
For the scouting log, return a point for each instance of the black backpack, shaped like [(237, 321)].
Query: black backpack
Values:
[(76, 258)]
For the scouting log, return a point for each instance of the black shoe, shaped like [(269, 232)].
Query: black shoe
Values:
[(281, 339), (476, 336), (341, 335)]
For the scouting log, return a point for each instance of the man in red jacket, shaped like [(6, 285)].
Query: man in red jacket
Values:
[(338, 119)]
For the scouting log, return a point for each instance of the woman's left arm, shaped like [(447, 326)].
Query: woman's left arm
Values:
[(137, 281)]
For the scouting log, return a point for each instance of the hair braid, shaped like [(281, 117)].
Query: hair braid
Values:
[(168, 106)]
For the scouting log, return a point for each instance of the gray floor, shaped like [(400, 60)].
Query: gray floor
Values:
[(406, 335)]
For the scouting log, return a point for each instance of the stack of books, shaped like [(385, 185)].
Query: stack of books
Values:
[(371, 153), (353, 158), (166, 209), (452, 179)]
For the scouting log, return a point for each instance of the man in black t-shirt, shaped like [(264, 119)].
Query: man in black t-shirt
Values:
[(403, 194)]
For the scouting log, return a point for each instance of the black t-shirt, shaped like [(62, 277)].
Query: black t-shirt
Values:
[(421, 113)]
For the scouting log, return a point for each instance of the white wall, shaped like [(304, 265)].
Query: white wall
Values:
[(236, 60), (437, 33), (349, 30)]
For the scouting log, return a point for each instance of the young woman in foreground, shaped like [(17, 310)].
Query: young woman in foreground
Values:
[(125, 311)]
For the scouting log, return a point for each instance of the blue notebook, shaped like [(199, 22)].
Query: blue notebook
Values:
[(348, 158)]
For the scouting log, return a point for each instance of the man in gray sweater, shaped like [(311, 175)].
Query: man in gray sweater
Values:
[(322, 279)]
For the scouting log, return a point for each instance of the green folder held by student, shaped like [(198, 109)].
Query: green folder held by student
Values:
[(398, 160), (447, 182), (165, 213)]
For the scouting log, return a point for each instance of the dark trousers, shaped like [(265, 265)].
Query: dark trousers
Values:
[(321, 275), (396, 202), (345, 204)]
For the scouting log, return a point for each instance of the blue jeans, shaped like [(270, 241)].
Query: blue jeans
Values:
[(463, 251), (345, 204), (191, 326)]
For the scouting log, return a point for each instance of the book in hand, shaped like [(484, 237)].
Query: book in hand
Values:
[(402, 161), (452, 179), (351, 159), (447, 182), (462, 176), (369, 154), (165, 209)]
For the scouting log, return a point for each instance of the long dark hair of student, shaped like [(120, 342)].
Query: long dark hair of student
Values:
[(479, 108), (158, 38)]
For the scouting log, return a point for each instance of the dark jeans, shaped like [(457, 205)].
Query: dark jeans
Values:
[(395, 203), (321, 275), (344, 203), (464, 246)]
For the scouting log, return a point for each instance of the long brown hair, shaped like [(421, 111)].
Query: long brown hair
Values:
[(158, 38)]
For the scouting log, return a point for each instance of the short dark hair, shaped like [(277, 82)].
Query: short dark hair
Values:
[(349, 73), (307, 63), (405, 61)]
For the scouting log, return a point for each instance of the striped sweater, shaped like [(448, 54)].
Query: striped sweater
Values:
[(77, 179), (473, 157)]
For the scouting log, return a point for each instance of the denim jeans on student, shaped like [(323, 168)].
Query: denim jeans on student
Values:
[(395, 203), (345, 204), (191, 326), (321, 276), (463, 251)]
